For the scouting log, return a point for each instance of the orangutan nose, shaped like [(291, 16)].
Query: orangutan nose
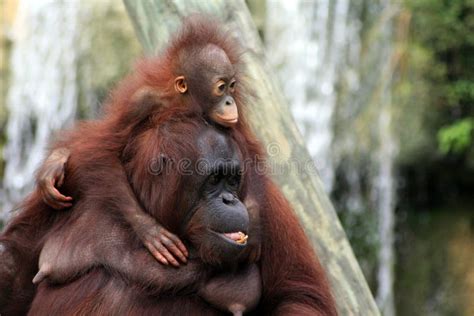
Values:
[(229, 100)]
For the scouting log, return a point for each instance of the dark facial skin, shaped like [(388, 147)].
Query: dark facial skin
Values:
[(210, 80), (212, 227), (219, 225)]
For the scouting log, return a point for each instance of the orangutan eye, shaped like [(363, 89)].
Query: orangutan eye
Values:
[(234, 180), (214, 179), (232, 85), (220, 88)]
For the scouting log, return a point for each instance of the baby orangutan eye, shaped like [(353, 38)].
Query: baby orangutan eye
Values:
[(232, 86), (220, 88)]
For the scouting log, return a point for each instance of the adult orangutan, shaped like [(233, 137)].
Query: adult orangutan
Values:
[(158, 113), (209, 216)]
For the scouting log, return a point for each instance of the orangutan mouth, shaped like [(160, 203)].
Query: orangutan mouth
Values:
[(237, 237)]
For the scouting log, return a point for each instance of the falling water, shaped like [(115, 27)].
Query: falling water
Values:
[(314, 32), (384, 182), (43, 92), (339, 92), (385, 200)]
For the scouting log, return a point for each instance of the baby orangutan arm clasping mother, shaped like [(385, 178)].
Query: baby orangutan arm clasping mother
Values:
[(161, 243)]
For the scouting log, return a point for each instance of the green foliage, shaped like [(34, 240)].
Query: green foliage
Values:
[(457, 137), (437, 84), (461, 91), (444, 25)]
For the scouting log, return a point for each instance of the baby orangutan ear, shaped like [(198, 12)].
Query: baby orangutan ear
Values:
[(180, 84)]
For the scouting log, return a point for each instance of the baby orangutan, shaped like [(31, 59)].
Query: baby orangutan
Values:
[(203, 80)]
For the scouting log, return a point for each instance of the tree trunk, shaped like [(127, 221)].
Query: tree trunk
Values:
[(292, 166)]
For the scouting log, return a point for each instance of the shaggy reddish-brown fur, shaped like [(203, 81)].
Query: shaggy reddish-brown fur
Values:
[(104, 161)]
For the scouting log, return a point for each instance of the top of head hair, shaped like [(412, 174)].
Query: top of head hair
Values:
[(197, 32)]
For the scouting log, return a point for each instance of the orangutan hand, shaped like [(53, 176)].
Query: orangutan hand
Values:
[(51, 176), (162, 244)]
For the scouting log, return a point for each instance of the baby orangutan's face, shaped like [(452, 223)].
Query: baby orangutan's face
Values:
[(211, 81)]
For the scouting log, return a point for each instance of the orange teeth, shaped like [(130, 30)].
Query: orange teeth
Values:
[(238, 237), (243, 239)]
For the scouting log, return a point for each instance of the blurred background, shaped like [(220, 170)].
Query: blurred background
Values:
[(382, 90)]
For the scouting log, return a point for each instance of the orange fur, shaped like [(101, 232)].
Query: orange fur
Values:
[(109, 153)]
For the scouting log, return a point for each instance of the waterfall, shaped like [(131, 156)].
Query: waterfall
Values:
[(304, 42), (333, 58), (43, 93), (385, 200), (384, 181)]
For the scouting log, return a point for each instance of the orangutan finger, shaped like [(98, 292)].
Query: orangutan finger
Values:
[(60, 181), (56, 204), (163, 251), (49, 201), (58, 196), (169, 244), (155, 253), (178, 243), (61, 205), (45, 182)]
